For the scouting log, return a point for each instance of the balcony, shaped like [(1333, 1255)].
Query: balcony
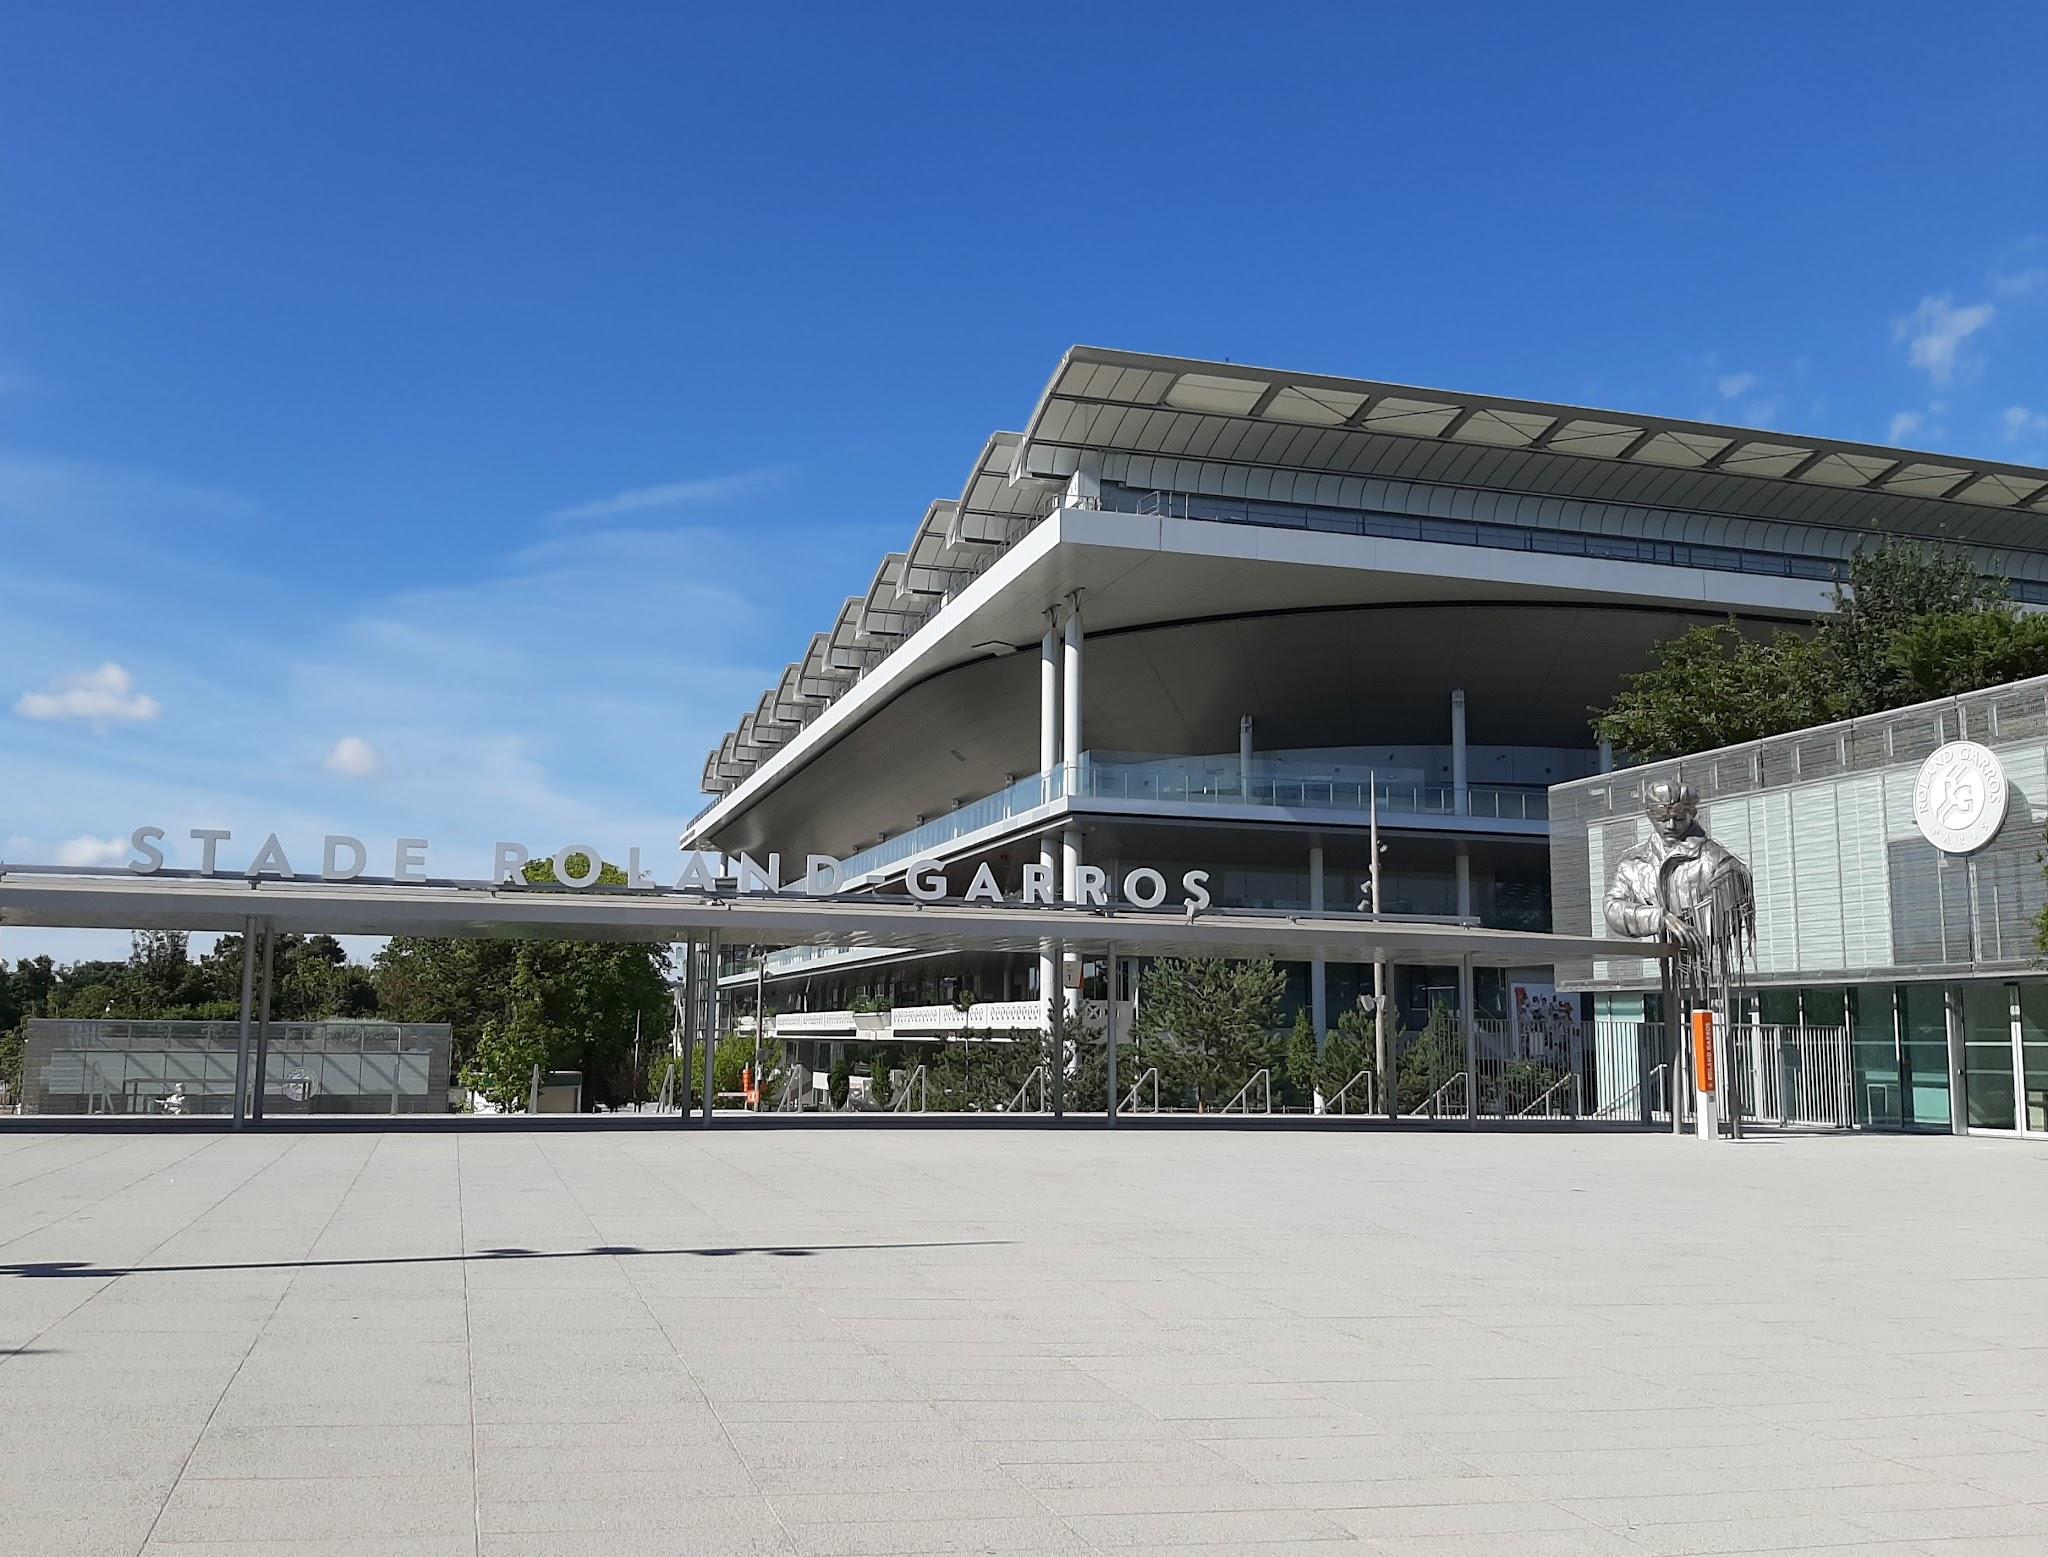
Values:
[(990, 1019), (1277, 783)]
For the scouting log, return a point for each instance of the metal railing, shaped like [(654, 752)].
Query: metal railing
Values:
[(914, 1083), (1337, 1102), (1547, 1105), (1037, 1078), (1433, 1106), (1130, 1103), (1262, 1078), (666, 1102), (1629, 1104), (1794, 1075)]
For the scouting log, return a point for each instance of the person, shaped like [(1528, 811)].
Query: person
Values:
[(1681, 886)]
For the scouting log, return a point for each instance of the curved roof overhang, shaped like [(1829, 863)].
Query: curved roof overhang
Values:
[(1175, 423)]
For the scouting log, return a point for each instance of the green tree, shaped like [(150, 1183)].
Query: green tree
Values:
[(1943, 655), (1910, 620), (839, 1080), (1887, 589), (1209, 1024), (1304, 1072), (1435, 1059), (587, 996), (1716, 686)]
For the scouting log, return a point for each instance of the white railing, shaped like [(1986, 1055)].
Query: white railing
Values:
[(1338, 1101), (1549, 1103), (925, 1022), (1629, 1104), (1433, 1106), (913, 1084), (1262, 1078), (1130, 1103), (1037, 1079)]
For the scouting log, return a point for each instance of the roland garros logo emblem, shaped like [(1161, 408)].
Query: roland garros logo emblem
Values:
[(1959, 798)]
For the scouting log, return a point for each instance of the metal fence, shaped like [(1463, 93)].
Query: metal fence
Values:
[(141, 1067)]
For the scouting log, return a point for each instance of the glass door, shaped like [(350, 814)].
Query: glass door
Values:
[(1985, 1012), (1923, 1056), (2033, 1065), (1874, 1039)]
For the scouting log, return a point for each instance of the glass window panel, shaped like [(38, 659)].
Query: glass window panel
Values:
[(2034, 1054), (1925, 1009), (1987, 1056), (1824, 1007), (1778, 1007), (1876, 1053)]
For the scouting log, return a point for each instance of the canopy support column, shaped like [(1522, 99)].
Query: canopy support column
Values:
[(242, 1037), (1466, 1015), (707, 967), (263, 1024), (1109, 1027)]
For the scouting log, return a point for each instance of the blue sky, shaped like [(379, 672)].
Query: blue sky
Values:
[(444, 420)]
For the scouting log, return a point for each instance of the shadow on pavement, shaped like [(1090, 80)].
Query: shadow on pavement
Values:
[(36, 1269)]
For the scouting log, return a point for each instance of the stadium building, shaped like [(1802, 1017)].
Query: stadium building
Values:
[(1199, 616)]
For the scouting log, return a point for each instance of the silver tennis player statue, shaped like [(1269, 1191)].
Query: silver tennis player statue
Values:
[(1678, 885)]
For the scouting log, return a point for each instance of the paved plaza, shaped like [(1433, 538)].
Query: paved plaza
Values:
[(829, 1342)]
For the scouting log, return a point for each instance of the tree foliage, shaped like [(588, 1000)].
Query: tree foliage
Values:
[(1208, 1025), (1909, 621), (569, 1005)]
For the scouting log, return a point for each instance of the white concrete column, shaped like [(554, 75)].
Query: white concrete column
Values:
[(1607, 756), (1071, 702), (1318, 971), (1461, 794), (1071, 705), (1244, 757), (1464, 882), (1048, 703), (1048, 773)]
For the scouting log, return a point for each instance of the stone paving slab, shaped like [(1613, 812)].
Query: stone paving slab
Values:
[(860, 1344)]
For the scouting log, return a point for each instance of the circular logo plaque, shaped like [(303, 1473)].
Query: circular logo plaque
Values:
[(1959, 798)]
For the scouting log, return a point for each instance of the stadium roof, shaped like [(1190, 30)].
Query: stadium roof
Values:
[(1162, 420)]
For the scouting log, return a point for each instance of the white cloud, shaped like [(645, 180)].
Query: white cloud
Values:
[(1935, 331), (353, 757), (1735, 385), (89, 850), (2021, 283), (101, 697), (672, 494), (1903, 425), (2023, 423)]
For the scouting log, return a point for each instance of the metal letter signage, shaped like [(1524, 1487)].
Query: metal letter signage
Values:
[(1959, 798)]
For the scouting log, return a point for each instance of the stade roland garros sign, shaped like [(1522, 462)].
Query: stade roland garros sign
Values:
[(578, 865)]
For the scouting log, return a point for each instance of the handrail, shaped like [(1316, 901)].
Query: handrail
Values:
[(794, 1090), (1430, 1104), (1130, 1103), (1038, 1076), (1334, 1103), (902, 1103), (1262, 1078), (1542, 1099), (666, 1102), (1629, 1101)]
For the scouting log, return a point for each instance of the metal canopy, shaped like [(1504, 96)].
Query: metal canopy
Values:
[(1175, 423), (114, 901)]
